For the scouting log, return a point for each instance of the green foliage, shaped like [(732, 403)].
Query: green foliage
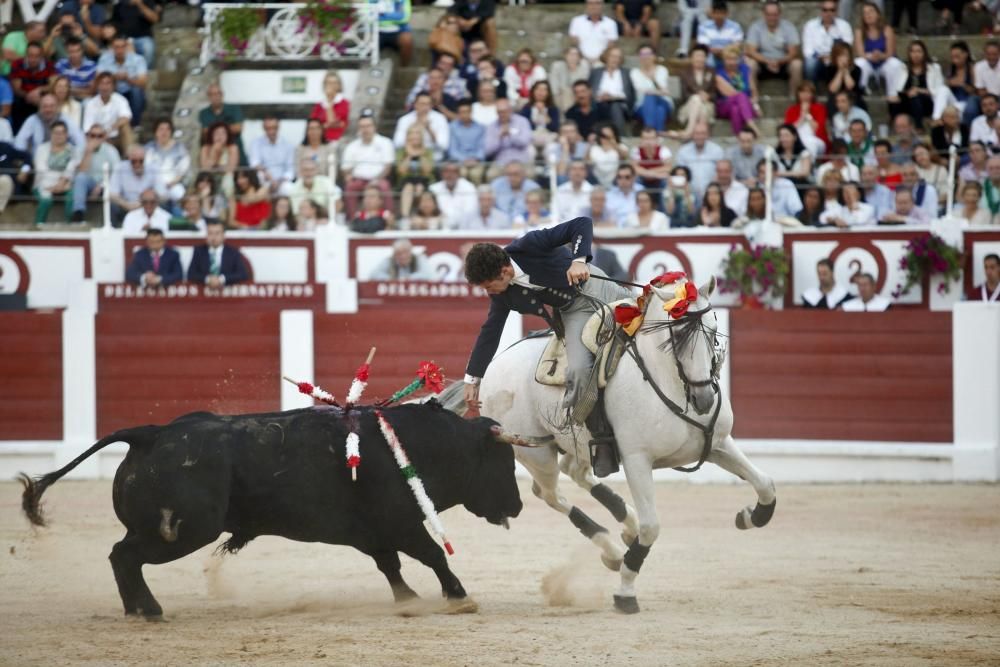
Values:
[(928, 255), (234, 26), (760, 272)]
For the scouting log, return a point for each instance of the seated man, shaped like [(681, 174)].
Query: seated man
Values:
[(128, 181), (29, 77), (394, 30), (89, 180), (476, 20), (79, 70), (130, 74), (637, 18), (785, 199), (37, 128), (148, 216), (621, 199), (216, 263), (990, 289), (434, 123), (156, 265), (508, 139), (745, 155), (585, 113), (487, 215), (828, 294), (573, 196), (443, 81), (592, 32), (904, 212), (311, 185), (274, 159), (734, 192), (925, 196), (719, 31), (773, 48), (511, 188), (456, 196), (368, 160), (109, 111), (466, 145), (868, 301), (403, 264), (874, 193), (537, 271), (218, 111)]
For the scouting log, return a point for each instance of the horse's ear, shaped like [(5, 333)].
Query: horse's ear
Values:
[(708, 288)]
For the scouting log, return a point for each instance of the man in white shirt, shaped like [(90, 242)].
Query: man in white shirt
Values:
[(983, 128), (592, 31), (573, 196), (311, 185), (456, 196), (868, 301), (719, 31), (827, 294), (274, 159), (434, 123), (987, 71), (734, 193), (149, 215), (818, 37), (110, 110), (366, 161)]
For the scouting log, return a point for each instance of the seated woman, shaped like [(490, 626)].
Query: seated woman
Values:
[(334, 110), (678, 200), (737, 99), (812, 207), (830, 186), (414, 169), (220, 156), (852, 213), (951, 132), (794, 162), (373, 216), (652, 100), (564, 73), (845, 113), (875, 48), (646, 216), (606, 154), (889, 173), (959, 89), (713, 211), (535, 215), (543, 115), (968, 209), (846, 77), (809, 118), (931, 172), (213, 203), (698, 91), (521, 75), (311, 215), (484, 109), (427, 214), (837, 160), (612, 86), (914, 93), (251, 201), (315, 147), (282, 217), (756, 209)]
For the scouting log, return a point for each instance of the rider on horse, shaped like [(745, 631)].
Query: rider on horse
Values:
[(545, 273)]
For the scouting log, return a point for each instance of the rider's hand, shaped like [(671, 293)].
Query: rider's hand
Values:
[(578, 272), (472, 402)]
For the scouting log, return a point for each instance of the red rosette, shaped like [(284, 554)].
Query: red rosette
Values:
[(431, 375), (667, 278), (306, 388), (353, 461), (625, 313), (363, 373)]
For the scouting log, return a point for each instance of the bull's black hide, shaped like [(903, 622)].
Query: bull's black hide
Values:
[(284, 473)]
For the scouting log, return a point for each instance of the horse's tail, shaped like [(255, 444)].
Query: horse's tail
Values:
[(453, 398), (35, 487)]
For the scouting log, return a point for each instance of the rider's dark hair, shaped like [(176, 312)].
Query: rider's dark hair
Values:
[(484, 263)]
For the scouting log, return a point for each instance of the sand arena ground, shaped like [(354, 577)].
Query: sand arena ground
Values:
[(844, 575)]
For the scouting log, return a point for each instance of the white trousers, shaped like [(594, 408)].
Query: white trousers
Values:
[(944, 98), (892, 72)]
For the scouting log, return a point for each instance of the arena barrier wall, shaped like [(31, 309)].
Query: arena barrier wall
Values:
[(817, 396)]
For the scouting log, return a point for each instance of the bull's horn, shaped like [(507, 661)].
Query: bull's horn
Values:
[(520, 440)]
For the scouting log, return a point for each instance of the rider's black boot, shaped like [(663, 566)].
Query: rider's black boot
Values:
[(603, 448)]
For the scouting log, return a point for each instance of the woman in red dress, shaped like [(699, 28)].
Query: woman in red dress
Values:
[(809, 118), (334, 110), (252, 205)]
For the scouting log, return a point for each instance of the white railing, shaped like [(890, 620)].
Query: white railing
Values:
[(282, 38)]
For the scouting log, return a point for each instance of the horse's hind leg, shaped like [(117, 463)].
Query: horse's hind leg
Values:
[(728, 456), (581, 473), (544, 468)]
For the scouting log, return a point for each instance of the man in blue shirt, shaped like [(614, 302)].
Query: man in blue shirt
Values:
[(80, 71), (510, 189), (621, 198), (700, 155), (274, 158), (130, 72), (467, 141)]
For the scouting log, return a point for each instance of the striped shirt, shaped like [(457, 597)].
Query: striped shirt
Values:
[(79, 77), (714, 37)]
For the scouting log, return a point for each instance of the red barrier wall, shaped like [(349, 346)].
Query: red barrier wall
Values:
[(842, 376), (31, 367)]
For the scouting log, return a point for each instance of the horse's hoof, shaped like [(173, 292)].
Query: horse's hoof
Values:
[(462, 606), (762, 514), (626, 605), (743, 519), (613, 564)]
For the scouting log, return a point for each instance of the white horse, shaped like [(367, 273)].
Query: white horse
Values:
[(666, 409)]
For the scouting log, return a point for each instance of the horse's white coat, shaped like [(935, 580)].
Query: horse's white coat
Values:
[(649, 435)]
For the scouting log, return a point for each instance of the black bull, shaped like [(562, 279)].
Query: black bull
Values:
[(181, 485)]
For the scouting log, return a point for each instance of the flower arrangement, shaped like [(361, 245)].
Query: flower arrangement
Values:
[(330, 18), (234, 26), (928, 255), (759, 272)]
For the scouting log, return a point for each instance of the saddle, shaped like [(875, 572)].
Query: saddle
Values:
[(602, 336)]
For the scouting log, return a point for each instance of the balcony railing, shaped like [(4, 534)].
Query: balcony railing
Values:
[(282, 37)]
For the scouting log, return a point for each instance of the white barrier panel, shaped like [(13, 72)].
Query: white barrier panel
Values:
[(976, 390)]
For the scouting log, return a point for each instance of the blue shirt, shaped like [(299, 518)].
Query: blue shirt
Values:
[(6, 92), (79, 77), (619, 205), (277, 158), (881, 199), (509, 202), (35, 132), (134, 65), (467, 141), (701, 164)]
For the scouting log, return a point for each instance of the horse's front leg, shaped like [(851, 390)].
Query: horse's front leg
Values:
[(581, 473), (639, 472)]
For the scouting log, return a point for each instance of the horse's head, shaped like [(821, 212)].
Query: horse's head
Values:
[(685, 314)]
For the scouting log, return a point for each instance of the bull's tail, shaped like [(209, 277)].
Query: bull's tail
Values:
[(453, 398), (35, 487)]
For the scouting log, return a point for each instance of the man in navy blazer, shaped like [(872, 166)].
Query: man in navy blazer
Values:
[(545, 269), (155, 265), (215, 263)]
